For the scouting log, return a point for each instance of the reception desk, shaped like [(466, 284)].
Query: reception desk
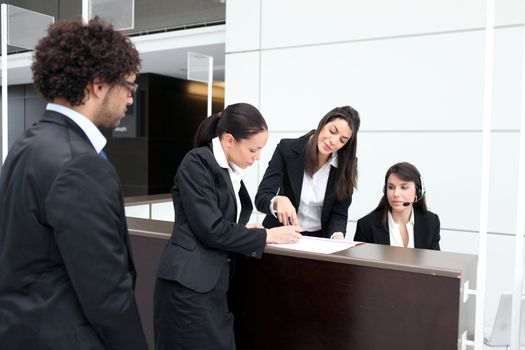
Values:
[(366, 297)]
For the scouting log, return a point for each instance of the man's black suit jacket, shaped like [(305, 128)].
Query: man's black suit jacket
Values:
[(66, 274), (426, 230), (205, 231), (285, 175)]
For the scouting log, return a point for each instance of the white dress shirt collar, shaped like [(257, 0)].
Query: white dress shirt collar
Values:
[(233, 170), (395, 234), (94, 135)]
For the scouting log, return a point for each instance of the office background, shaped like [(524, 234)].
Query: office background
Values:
[(413, 69)]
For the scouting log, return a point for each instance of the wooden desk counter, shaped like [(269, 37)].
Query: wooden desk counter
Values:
[(366, 297)]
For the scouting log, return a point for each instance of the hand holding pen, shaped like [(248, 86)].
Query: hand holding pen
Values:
[(285, 211)]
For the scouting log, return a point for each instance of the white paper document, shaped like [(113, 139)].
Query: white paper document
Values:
[(318, 245)]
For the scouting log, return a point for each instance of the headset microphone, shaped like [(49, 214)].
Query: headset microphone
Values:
[(419, 195), (406, 204), (420, 192)]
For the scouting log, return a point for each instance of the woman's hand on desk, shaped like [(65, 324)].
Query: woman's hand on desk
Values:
[(337, 235), (283, 234), (285, 211)]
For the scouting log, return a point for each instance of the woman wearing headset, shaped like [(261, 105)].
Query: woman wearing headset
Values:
[(401, 218)]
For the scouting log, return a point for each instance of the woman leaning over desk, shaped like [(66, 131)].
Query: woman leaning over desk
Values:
[(212, 207), (401, 218), (310, 180)]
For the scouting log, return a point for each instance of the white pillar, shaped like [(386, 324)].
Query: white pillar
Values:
[(85, 10), (210, 83), (520, 227), (485, 176)]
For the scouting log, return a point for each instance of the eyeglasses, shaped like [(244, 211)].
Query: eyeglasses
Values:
[(131, 86)]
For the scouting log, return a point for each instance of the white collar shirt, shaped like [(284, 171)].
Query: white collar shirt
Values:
[(233, 170), (93, 134), (395, 234)]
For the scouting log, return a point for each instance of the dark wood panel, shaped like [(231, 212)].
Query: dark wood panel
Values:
[(367, 297), (146, 255), (293, 303)]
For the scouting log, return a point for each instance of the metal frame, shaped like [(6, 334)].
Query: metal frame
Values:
[(209, 79)]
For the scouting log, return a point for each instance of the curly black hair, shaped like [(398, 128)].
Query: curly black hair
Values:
[(73, 54)]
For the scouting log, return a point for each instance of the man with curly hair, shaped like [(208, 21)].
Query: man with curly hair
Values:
[(66, 272)]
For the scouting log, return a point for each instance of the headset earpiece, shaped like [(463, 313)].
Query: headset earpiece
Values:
[(420, 188)]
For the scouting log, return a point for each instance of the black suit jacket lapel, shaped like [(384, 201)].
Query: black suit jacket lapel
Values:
[(382, 235), (419, 229), (328, 201), (226, 178), (295, 167), (246, 205)]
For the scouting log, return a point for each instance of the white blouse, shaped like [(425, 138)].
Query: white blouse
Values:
[(312, 197), (395, 234)]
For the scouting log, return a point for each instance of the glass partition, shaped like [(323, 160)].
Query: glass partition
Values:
[(160, 15), (120, 13), (149, 16), (200, 68), (26, 27), (21, 28)]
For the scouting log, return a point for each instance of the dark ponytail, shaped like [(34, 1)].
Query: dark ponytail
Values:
[(242, 120), (206, 131)]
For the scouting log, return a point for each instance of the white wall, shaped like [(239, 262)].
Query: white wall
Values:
[(414, 71)]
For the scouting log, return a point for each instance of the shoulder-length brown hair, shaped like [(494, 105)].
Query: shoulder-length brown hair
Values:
[(346, 173)]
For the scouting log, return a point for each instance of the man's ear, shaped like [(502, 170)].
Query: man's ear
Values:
[(97, 88)]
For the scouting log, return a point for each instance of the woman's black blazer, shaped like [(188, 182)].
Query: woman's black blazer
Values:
[(426, 230), (285, 174), (205, 230)]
